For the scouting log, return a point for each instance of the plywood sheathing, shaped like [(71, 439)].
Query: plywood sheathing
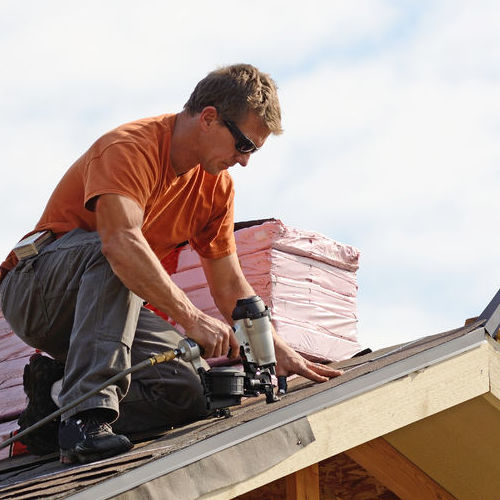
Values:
[(340, 478)]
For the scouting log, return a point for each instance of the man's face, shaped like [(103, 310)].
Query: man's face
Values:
[(219, 150)]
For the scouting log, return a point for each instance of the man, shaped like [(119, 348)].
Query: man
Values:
[(139, 191)]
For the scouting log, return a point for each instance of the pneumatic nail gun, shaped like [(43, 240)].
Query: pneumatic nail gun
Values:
[(225, 386)]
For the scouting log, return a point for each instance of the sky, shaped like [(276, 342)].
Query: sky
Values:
[(391, 112)]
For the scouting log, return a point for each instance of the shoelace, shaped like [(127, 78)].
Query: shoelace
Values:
[(94, 428)]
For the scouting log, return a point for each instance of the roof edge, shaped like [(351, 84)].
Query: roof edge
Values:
[(313, 404)]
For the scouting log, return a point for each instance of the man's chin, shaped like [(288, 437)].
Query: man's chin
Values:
[(213, 170)]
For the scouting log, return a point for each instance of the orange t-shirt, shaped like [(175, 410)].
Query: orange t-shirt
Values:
[(134, 160)]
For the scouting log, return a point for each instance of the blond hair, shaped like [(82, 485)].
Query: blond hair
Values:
[(234, 90)]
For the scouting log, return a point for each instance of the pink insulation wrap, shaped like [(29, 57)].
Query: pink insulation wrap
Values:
[(308, 281), (6, 430), (296, 242), (14, 355)]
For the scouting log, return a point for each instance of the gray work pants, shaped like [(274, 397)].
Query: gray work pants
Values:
[(68, 302)]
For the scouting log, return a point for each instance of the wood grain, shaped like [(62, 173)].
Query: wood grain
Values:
[(396, 472), (303, 484)]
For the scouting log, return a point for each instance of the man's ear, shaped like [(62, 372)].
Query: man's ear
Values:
[(208, 117)]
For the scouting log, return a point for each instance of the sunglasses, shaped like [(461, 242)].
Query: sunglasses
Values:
[(243, 144)]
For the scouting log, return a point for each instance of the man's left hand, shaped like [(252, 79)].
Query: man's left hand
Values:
[(290, 362)]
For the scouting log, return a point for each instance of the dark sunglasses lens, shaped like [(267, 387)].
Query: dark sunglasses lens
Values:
[(243, 144), (245, 147)]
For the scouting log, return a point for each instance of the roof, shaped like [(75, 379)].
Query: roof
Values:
[(220, 458)]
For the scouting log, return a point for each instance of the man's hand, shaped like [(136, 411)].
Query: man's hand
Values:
[(290, 362), (215, 337), (227, 285)]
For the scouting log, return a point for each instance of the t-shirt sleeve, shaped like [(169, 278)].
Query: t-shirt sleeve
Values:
[(217, 238), (120, 168)]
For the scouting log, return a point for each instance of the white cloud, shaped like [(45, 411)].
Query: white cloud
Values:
[(460, 41), (391, 116), (130, 44), (73, 71), (400, 152)]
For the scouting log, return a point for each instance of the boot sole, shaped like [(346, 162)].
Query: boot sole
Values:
[(70, 457)]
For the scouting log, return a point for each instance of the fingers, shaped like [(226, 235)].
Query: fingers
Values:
[(220, 343), (312, 375), (218, 339), (214, 336), (230, 346), (325, 370), (313, 371), (303, 370), (225, 347), (234, 346), (208, 349), (317, 372)]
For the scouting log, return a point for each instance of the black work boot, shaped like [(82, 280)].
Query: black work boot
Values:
[(84, 439), (38, 378)]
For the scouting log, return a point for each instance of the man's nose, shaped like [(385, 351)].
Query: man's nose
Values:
[(243, 159)]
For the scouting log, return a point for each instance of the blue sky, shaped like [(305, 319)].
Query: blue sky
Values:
[(391, 113)]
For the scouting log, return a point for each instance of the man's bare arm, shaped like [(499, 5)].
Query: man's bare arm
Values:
[(119, 223), (228, 284)]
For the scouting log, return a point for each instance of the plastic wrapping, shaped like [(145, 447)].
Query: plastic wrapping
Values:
[(308, 281)]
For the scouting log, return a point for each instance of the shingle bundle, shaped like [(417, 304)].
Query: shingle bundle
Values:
[(308, 281), (14, 355)]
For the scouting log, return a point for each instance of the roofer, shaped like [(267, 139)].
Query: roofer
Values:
[(125, 204)]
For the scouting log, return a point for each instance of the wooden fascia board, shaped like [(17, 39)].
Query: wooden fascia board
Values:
[(382, 410), (494, 367)]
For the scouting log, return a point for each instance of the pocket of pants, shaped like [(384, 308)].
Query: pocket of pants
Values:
[(23, 305)]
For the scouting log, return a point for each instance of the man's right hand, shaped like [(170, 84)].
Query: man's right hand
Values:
[(214, 336)]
